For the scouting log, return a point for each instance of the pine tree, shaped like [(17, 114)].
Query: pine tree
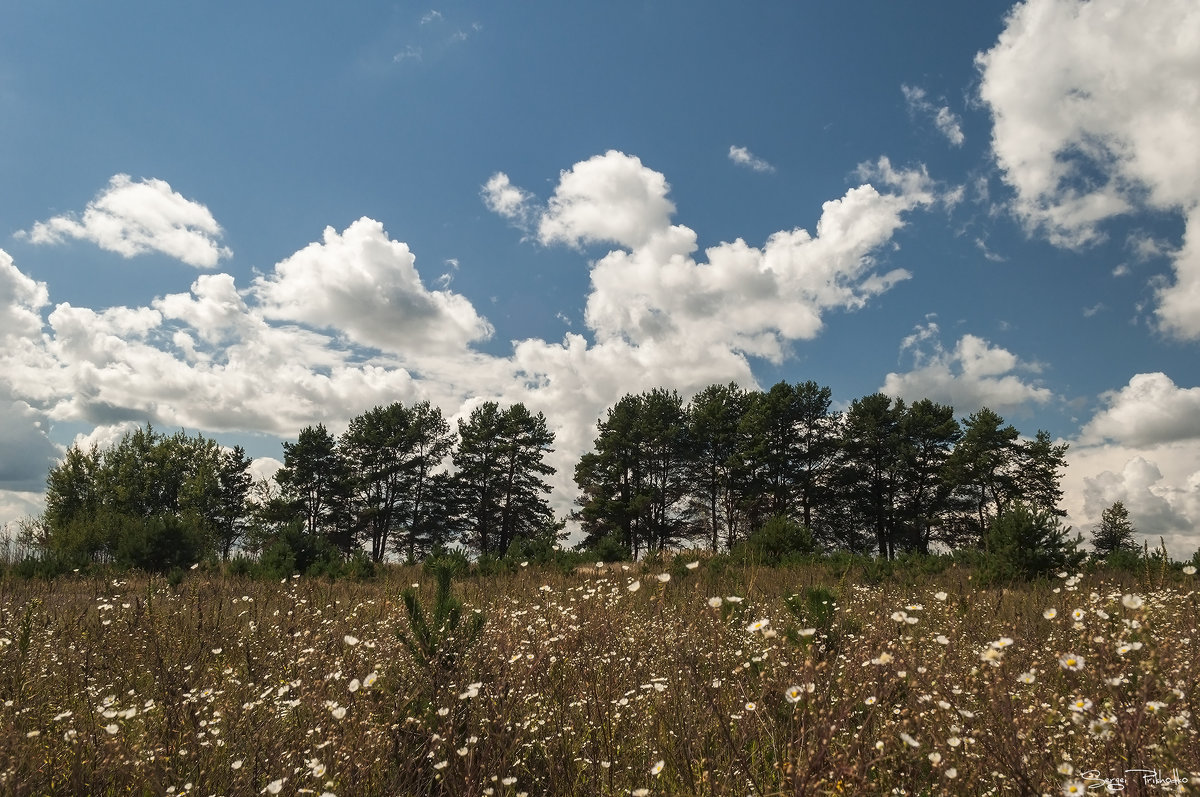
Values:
[(1115, 532), (499, 482)]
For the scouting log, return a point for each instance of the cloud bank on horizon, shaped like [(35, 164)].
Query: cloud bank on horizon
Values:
[(350, 321)]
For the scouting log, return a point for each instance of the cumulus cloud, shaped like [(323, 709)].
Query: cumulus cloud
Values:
[(744, 157), (346, 323), (1140, 448), (21, 301), (135, 217), (204, 360), (972, 375), (28, 451), (366, 285), (1148, 411), (1095, 115), (1159, 485), (946, 121), (507, 200), (740, 298), (609, 198)]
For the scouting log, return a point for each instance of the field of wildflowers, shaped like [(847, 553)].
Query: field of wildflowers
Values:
[(672, 680)]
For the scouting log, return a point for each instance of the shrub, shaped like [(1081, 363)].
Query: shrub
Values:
[(488, 565), (47, 565), (359, 567), (240, 565), (1126, 560), (778, 541), (608, 549), (295, 551), (159, 544), (1025, 544), (441, 557)]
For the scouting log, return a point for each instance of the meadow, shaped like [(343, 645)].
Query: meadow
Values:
[(701, 680)]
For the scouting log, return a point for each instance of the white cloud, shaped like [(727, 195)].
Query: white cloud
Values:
[(1159, 485), (21, 301), (988, 254), (607, 198), (366, 285), (1096, 115), (214, 308), (949, 125), (744, 157), (946, 121), (132, 218), (972, 375), (1148, 411), (507, 200), (409, 53), (16, 505), (264, 468), (744, 299), (1140, 448), (287, 352)]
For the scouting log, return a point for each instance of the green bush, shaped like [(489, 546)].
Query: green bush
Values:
[(240, 565), (607, 549), (815, 607), (1024, 544), (47, 565), (295, 551), (359, 567), (539, 550), (1126, 560), (779, 541), (488, 565), (923, 564), (441, 557), (159, 544)]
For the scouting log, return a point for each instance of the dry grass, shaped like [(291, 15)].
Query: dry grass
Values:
[(584, 685)]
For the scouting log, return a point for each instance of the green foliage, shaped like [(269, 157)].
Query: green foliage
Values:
[(359, 567), (149, 501), (296, 551), (1023, 544), (452, 559), (436, 642), (240, 565), (488, 565), (1126, 560), (159, 544), (607, 549), (542, 549), (634, 483), (499, 481), (923, 563), (815, 607), (47, 565), (714, 417), (780, 540), (397, 500), (316, 486), (1115, 533)]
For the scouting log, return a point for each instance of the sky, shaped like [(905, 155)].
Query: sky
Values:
[(240, 222)]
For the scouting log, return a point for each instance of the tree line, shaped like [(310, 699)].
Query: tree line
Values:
[(399, 482), (882, 477)]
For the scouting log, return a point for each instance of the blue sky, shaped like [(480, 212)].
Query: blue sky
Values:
[(236, 222)]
